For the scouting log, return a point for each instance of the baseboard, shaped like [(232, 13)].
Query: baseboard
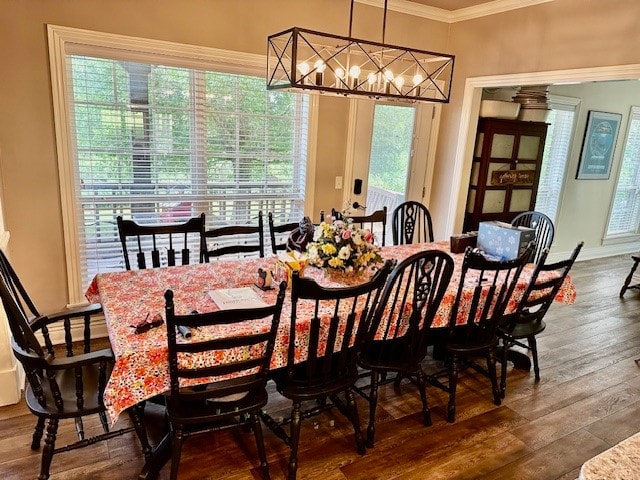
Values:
[(12, 381), (591, 253)]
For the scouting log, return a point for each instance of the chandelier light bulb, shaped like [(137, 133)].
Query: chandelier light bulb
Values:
[(354, 73), (371, 80), (319, 66), (304, 68), (399, 81), (388, 75), (417, 81)]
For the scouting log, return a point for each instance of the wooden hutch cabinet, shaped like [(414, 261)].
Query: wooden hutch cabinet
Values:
[(505, 170)]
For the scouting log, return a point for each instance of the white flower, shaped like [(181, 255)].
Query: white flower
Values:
[(357, 239), (344, 253)]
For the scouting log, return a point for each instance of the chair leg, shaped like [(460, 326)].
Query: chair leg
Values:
[(491, 367), (177, 439), (422, 386), (38, 431), (262, 454), (49, 447), (453, 380), (296, 420), (136, 414), (373, 403), (503, 368), (627, 280), (355, 421), (104, 422), (533, 346)]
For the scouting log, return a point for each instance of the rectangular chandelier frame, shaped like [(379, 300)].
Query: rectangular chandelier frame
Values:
[(298, 58)]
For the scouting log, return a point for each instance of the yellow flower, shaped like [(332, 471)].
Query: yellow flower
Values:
[(329, 249), (335, 262)]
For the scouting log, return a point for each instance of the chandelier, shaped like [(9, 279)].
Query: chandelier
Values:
[(298, 58)]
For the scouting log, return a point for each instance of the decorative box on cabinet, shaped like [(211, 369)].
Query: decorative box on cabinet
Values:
[(505, 170)]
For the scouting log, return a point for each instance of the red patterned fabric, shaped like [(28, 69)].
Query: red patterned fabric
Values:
[(141, 369)]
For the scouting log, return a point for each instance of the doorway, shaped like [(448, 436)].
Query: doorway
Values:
[(392, 147)]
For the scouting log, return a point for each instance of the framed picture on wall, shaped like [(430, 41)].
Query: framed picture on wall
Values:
[(598, 145)]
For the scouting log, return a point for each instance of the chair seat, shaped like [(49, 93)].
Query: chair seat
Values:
[(66, 380), (389, 355), (297, 386), (524, 330), (200, 412)]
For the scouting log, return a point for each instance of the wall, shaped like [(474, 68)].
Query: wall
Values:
[(591, 199), (563, 34), (30, 184)]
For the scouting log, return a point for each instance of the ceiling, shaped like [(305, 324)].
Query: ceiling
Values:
[(451, 5)]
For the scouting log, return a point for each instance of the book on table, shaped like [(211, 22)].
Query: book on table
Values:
[(242, 297)]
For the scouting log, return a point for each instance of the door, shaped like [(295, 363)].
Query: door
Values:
[(392, 156)]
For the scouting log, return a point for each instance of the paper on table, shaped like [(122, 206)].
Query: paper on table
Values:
[(230, 298)]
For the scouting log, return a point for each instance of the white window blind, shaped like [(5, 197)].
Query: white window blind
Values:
[(625, 212), (158, 143), (556, 152)]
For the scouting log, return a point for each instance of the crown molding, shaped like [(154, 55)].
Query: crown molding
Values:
[(452, 16)]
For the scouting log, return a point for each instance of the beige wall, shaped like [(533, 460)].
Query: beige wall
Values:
[(563, 34), (556, 35), (591, 199), (31, 195)]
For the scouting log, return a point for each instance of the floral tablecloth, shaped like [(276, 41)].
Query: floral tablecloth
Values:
[(141, 368)]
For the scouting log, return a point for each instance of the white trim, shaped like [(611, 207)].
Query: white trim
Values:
[(452, 16), (471, 107), (312, 153), (596, 252), (66, 40)]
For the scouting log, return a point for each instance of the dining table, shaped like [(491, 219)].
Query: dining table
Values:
[(141, 369)]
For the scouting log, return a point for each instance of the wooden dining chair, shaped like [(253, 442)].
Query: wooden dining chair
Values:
[(86, 315), (397, 337), (483, 294), (235, 240), (375, 221), (411, 223), (330, 347), (527, 321), (163, 244), (242, 346), (279, 233), (64, 382), (544, 230)]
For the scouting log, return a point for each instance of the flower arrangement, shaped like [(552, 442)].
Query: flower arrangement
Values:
[(342, 246)]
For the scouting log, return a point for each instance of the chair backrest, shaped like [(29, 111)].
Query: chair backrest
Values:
[(398, 331), (543, 227), (279, 233), (546, 281), (484, 292), (411, 224), (242, 344), (371, 221), (333, 314), (237, 240), (153, 240), (18, 291), (39, 363)]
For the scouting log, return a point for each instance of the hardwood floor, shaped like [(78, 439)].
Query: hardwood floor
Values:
[(587, 400)]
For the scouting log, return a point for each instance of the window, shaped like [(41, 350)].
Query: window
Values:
[(158, 139), (556, 152), (625, 212)]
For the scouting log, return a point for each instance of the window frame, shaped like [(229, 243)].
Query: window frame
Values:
[(629, 236), (66, 40), (567, 104)]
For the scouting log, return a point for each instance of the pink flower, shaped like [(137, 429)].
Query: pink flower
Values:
[(346, 234), (368, 236)]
